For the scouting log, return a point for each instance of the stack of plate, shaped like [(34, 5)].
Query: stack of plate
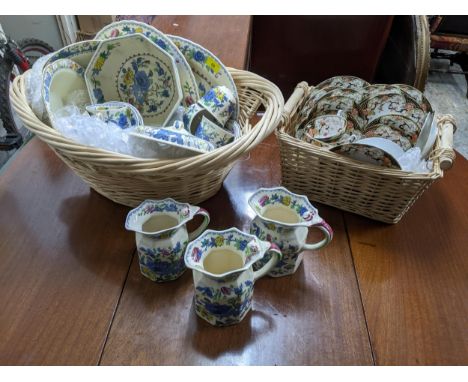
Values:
[(134, 63), (345, 110)]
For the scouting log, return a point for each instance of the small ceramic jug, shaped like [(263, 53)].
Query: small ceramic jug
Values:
[(223, 275), (161, 236), (284, 218)]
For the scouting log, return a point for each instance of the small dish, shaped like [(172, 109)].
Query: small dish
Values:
[(207, 68), (344, 82), (384, 104), (417, 95), (326, 127), (80, 52), (171, 143), (133, 69), (129, 27), (377, 151), (384, 131), (63, 84), (122, 114), (406, 126), (211, 132), (335, 103)]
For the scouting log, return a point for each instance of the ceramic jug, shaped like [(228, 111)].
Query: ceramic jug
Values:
[(161, 236), (284, 218), (223, 275)]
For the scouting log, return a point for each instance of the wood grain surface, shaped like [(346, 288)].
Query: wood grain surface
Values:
[(64, 256), (312, 317), (227, 37), (413, 277)]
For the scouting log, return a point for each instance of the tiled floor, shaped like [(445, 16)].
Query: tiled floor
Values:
[(446, 92)]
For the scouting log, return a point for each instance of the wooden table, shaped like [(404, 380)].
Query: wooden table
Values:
[(71, 291)]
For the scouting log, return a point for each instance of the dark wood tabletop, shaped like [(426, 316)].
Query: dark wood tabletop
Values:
[(71, 292)]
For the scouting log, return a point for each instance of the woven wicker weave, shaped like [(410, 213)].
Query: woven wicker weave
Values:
[(378, 193), (128, 180)]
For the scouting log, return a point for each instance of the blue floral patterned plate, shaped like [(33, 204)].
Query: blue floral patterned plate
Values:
[(133, 69), (207, 68), (173, 143), (80, 52), (128, 27)]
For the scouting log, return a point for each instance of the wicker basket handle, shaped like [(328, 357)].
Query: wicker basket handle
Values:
[(447, 128), (293, 102)]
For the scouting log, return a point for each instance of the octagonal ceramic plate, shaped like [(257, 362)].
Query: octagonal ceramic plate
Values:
[(207, 68), (128, 27), (80, 52), (135, 70)]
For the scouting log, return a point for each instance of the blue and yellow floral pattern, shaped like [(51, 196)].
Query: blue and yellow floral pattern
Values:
[(147, 83), (207, 68), (128, 27)]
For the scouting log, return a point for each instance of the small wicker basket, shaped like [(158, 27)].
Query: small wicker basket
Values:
[(375, 192), (128, 180)]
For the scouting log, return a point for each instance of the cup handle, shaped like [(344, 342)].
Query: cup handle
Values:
[(206, 220), (276, 256), (327, 230)]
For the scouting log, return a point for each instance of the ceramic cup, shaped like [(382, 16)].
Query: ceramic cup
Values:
[(284, 219), (211, 132), (220, 102), (223, 275), (193, 116), (122, 114), (161, 236)]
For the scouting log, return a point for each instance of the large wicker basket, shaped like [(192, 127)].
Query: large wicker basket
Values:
[(325, 177), (128, 180)]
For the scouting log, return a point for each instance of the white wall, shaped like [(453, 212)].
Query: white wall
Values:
[(42, 27)]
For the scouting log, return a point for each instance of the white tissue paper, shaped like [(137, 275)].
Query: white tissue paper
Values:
[(411, 161), (33, 84)]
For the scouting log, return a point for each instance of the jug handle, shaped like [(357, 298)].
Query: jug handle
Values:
[(276, 256), (206, 220), (327, 230)]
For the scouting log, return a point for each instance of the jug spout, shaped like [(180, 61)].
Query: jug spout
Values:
[(157, 217)]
